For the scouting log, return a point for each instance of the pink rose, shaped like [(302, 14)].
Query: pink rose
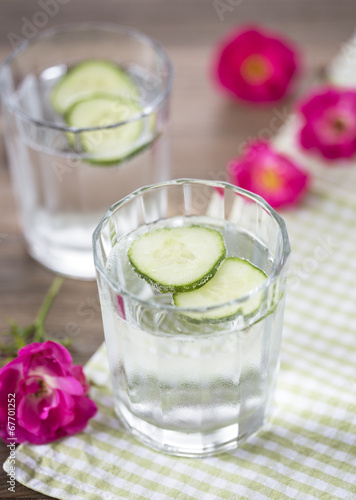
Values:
[(50, 395), (329, 126), (269, 174), (255, 65)]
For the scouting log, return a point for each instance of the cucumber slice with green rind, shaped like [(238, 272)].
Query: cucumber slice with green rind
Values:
[(177, 258), (235, 278), (91, 77), (109, 145)]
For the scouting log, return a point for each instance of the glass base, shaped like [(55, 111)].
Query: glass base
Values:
[(191, 444), (66, 262)]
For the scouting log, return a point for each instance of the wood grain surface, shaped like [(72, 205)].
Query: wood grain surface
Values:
[(206, 129)]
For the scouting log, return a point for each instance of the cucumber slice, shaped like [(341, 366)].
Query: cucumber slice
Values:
[(234, 278), (88, 78), (113, 144), (178, 258)]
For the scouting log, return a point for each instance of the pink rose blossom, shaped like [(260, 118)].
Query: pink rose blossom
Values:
[(255, 65), (329, 123), (50, 395), (269, 174)]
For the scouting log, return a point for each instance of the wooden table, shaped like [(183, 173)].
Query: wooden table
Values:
[(206, 129)]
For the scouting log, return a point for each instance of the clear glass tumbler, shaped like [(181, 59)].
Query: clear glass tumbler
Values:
[(185, 387), (61, 188)]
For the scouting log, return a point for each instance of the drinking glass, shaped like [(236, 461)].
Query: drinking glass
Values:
[(61, 190), (185, 387)]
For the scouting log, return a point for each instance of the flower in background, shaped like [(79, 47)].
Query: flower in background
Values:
[(47, 392), (269, 174), (329, 123), (256, 66)]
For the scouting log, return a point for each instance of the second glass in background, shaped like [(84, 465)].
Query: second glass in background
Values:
[(61, 191)]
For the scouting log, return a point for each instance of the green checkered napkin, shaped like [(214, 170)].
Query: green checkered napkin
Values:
[(308, 451)]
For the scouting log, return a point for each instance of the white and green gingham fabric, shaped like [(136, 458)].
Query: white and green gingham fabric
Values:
[(308, 450)]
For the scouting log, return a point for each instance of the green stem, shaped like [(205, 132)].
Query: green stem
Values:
[(45, 307)]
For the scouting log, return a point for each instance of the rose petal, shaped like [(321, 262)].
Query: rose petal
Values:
[(10, 376), (50, 349), (44, 364), (77, 372), (84, 409), (28, 414), (67, 384), (31, 385)]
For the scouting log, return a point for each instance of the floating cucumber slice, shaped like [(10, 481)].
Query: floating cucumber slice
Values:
[(113, 144), (88, 78), (234, 278), (178, 258)]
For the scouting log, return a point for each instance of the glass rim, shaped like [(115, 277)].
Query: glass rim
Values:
[(84, 26), (271, 278)]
